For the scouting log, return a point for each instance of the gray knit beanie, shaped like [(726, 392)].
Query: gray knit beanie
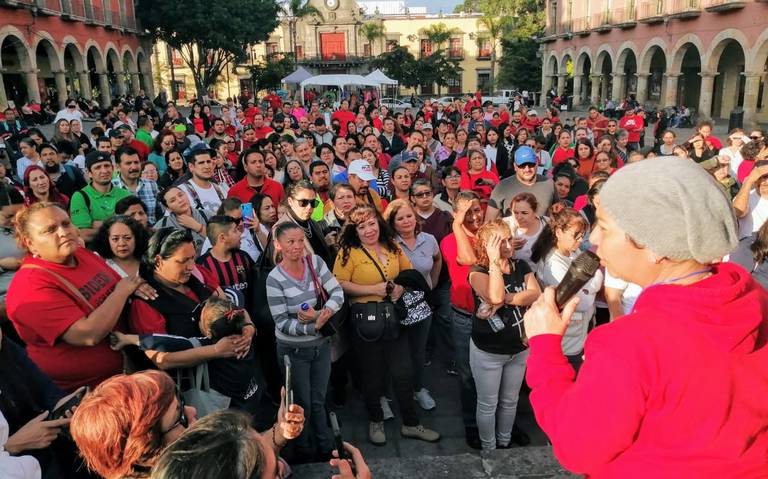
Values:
[(673, 207)]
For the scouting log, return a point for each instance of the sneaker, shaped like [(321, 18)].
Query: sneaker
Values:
[(376, 433), (519, 436), (388, 414), (424, 399), (451, 369), (420, 432)]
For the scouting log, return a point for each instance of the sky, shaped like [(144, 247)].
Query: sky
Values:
[(434, 6)]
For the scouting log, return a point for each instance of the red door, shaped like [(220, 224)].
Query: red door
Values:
[(333, 46)]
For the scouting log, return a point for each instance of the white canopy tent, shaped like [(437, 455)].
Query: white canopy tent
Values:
[(298, 76), (339, 81), (379, 76)]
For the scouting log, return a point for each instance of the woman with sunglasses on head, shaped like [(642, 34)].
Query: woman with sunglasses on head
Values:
[(366, 266), (62, 133), (177, 168), (554, 251), (503, 287), (300, 201), (223, 169), (733, 150)]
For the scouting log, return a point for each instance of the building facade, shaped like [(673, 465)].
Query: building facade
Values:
[(335, 44), (709, 55), (52, 49)]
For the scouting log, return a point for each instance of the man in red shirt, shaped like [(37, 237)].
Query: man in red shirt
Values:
[(457, 249), (634, 124), (274, 100), (260, 128), (256, 180), (344, 116)]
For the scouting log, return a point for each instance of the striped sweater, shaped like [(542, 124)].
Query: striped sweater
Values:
[(285, 295)]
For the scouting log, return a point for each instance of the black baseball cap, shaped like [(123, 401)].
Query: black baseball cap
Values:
[(96, 157)]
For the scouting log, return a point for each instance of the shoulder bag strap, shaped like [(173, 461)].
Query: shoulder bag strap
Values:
[(315, 280), (71, 287), (375, 263)]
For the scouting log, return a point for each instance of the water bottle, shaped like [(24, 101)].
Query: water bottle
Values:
[(304, 307)]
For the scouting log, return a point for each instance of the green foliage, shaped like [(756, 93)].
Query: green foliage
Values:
[(210, 36), (467, 6), (268, 75), (372, 31), (520, 67), (439, 33), (437, 69), (401, 65)]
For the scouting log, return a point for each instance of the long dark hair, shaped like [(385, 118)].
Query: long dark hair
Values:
[(760, 246), (349, 238)]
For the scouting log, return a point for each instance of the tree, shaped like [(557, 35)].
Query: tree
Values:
[(295, 10), (372, 31), (519, 65), (467, 6), (494, 25), (401, 65), (437, 69), (438, 34), (210, 36), (268, 74)]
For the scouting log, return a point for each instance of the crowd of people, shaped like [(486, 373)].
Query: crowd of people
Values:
[(357, 248)]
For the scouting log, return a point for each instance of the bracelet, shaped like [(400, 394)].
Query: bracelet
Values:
[(274, 437)]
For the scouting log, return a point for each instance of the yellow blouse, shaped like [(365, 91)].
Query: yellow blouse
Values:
[(361, 270)]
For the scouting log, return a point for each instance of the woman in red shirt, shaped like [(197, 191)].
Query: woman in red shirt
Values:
[(585, 154), (64, 300), (563, 150), (477, 177)]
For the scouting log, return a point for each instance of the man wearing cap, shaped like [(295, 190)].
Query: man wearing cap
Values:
[(90, 206), (525, 180), (360, 174), (129, 178), (531, 121), (429, 141)]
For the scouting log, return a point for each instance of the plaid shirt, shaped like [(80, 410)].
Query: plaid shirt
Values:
[(146, 192)]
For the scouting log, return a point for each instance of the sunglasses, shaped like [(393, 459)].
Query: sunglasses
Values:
[(756, 138), (71, 106), (527, 165), (304, 203), (423, 194), (182, 420)]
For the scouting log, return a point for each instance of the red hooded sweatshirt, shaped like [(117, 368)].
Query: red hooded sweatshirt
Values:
[(676, 389)]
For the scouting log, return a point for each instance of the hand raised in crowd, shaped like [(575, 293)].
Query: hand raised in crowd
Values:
[(756, 173), (290, 423), (543, 317), (345, 468), (36, 434), (229, 346), (251, 222), (462, 207), (189, 222), (493, 249)]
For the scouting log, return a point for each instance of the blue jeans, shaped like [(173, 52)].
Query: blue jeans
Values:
[(462, 333), (310, 371)]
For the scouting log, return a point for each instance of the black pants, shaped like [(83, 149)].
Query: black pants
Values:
[(375, 358)]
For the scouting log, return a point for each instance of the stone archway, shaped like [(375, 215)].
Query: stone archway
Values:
[(16, 67), (582, 81), (114, 71), (145, 74), (603, 70), (687, 60), (729, 85), (625, 75), (49, 73), (130, 72), (97, 78), (653, 64), (566, 74), (75, 75)]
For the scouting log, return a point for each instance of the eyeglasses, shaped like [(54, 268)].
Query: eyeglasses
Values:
[(756, 138), (527, 165), (453, 177), (71, 106), (169, 143), (304, 202), (182, 419), (423, 194)]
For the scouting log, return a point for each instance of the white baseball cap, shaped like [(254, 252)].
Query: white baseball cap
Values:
[(362, 169)]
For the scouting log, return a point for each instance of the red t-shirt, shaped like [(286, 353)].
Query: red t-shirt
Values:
[(716, 144), (561, 154), (262, 132), (344, 117), (461, 292), (142, 149), (42, 309), (634, 124), (144, 319), (463, 165), (745, 168), (243, 191)]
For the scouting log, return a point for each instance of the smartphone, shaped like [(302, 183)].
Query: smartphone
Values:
[(59, 412), (288, 389), (247, 210), (343, 454)]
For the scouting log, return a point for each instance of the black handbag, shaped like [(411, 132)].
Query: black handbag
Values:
[(339, 318), (259, 306), (375, 320)]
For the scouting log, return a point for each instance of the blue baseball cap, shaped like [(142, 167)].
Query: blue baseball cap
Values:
[(525, 154)]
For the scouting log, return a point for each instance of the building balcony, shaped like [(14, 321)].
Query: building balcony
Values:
[(651, 12), (601, 22), (625, 18), (565, 30), (457, 54), (724, 5), (685, 9), (333, 61), (581, 26)]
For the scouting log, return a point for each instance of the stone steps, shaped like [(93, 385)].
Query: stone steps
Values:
[(516, 463)]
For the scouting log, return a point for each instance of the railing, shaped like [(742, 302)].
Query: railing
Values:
[(456, 54), (66, 6), (679, 6), (725, 4), (625, 15), (651, 9), (78, 8), (566, 26), (601, 19), (581, 24), (550, 29), (335, 58)]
